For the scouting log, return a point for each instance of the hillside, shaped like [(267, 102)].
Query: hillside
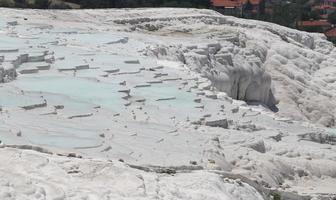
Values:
[(163, 104)]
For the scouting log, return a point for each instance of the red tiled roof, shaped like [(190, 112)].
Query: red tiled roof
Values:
[(325, 16), (324, 7), (331, 33), (314, 23), (227, 3), (233, 3), (255, 2)]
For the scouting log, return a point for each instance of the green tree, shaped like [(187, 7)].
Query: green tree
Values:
[(41, 4), (287, 13), (332, 18), (7, 3)]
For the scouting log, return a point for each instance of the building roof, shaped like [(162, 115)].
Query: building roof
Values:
[(324, 16), (331, 32), (324, 7), (312, 23), (255, 2), (233, 3), (227, 3)]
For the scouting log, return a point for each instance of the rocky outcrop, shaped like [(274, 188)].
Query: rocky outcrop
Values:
[(254, 61), (322, 138), (235, 71), (7, 73), (222, 123)]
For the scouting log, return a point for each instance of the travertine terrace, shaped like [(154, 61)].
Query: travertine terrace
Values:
[(163, 104)]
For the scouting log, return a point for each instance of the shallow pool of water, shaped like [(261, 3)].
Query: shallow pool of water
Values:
[(80, 89)]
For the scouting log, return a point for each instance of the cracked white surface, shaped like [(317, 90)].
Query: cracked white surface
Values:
[(138, 85)]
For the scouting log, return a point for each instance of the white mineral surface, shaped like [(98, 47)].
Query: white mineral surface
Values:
[(163, 104)]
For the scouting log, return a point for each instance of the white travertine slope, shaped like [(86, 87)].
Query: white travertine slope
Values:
[(39, 176), (156, 89), (242, 58)]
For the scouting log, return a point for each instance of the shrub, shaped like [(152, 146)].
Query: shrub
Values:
[(276, 196), (7, 3)]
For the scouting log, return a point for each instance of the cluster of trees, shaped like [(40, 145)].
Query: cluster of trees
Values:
[(7, 3), (43, 4), (286, 13), (332, 18), (141, 3), (25, 4)]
